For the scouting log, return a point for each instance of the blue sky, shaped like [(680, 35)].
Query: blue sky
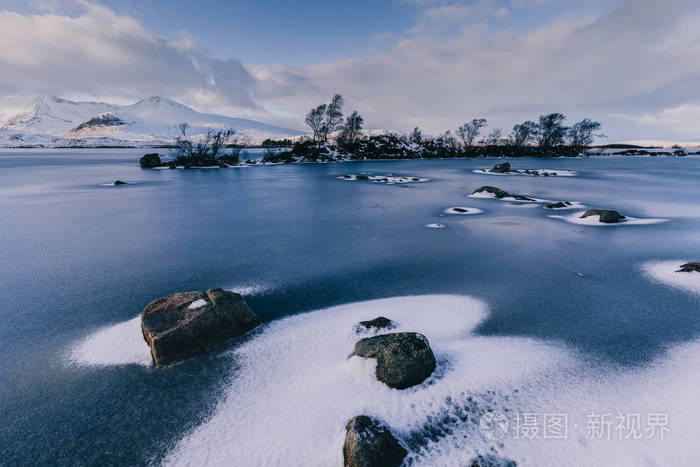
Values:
[(634, 65)]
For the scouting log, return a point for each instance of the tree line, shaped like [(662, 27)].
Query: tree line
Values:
[(548, 132)]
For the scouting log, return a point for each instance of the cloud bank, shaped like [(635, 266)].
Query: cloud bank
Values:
[(634, 67)]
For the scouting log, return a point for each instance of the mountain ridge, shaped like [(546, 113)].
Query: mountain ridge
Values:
[(50, 121)]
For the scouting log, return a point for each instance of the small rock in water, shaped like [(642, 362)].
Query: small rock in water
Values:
[(502, 168), (119, 182), (606, 217), (377, 323), (559, 205), (182, 325), (404, 359), (690, 267), (368, 443), (362, 177)]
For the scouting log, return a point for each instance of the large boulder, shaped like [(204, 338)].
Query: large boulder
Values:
[(690, 267), (150, 161), (185, 324), (404, 359), (606, 217), (502, 168), (368, 443)]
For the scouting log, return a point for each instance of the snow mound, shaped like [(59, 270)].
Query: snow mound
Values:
[(119, 344), (537, 172), (594, 221), (387, 179), (298, 384), (435, 226), (462, 210)]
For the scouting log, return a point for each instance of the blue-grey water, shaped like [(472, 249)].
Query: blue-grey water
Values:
[(77, 255)]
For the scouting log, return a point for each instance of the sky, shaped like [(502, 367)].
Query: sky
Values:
[(633, 65)]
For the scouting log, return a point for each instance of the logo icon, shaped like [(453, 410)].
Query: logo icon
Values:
[(493, 426)]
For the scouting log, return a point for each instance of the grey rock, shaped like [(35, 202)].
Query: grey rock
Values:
[(368, 443), (606, 217), (150, 161), (404, 359), (502, 168)]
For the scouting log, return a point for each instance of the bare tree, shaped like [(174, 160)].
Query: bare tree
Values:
[(314, 119), (551, 130), (581, 134), (469, 131), (333, 118), (493, 138), (523, 133), (183, 144), (352, 127), (219, 139)]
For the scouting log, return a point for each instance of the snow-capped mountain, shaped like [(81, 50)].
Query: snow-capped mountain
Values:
[(54, 122)]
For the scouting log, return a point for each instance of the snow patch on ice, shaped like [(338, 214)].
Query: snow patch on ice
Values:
[(665, 272), (435, 226), (541, 172), (390, 179), (119, 344), (297, 386), (462, 210), (576, 218)]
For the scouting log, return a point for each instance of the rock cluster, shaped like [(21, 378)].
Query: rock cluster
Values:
[(690, 267), (377, 323), (558, 205), (500, 193)]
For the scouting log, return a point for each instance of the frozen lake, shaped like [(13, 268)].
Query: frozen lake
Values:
[(548, 315)]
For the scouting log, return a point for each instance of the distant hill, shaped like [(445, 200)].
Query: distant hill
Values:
[(49, 121)]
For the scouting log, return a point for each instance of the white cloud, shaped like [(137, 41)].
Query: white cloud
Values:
[(98, 53), (582, 66), (622, 68)]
